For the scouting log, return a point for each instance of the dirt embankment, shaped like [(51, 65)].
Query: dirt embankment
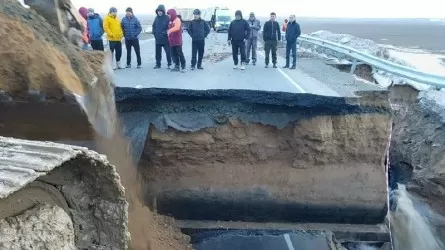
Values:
[(332, 159), (417, 145), (35, 56)]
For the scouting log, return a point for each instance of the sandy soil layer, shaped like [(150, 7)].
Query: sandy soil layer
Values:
[(323, 160)]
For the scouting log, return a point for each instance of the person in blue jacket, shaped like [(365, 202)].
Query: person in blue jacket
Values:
[(132, 29), (95, 30)]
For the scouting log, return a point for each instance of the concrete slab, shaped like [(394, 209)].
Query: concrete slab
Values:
[(342, 232), (22, 162)]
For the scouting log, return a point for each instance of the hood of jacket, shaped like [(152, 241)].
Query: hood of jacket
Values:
[(161, 7), (83, 12), (238, 12), (172, 14), (94, 16)]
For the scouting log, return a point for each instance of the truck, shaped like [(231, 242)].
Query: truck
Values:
[(217, 18)]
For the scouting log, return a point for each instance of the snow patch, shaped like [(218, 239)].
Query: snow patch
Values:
[(413, 58)]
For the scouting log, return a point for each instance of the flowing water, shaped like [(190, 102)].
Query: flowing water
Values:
[(411, 229)]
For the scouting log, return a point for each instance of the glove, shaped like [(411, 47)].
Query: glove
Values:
[(229, 42)]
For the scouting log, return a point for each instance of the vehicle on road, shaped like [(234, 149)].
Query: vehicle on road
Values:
[(217, 18), (223, 17)]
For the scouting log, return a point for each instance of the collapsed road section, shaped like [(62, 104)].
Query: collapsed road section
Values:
[(253, 156), (261, 156)]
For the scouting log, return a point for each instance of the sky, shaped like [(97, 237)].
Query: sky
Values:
[(303, 8)]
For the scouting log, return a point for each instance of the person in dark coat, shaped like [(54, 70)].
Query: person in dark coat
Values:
[(293, 31), (159, 28), (132, 29), (271, 36), (238, 34), (95, 30), (198, 30)]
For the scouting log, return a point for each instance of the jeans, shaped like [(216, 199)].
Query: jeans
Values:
[(241, 47), (97, 45), (159, 54), (270, 46), (251, 44), (197, 48), (178, 56), (291, 47), (137, 50), (116, 46)]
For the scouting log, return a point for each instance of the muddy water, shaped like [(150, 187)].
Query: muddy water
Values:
[(410, 229), (148, 230), (117, 151)]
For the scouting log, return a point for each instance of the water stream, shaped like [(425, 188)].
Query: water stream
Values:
[(411, 223)]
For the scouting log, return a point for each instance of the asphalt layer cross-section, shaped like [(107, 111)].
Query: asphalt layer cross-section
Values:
[(218, 72)]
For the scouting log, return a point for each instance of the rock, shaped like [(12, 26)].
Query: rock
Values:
[(44, 227)]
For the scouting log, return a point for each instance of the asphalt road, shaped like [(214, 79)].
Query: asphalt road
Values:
[(246, 241), (218, 72)]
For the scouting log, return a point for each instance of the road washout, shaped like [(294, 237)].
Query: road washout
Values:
[(205, 153), (54, 66), (417, 151)]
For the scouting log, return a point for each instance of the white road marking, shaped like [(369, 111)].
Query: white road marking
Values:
[(288, 242), (287, 76)]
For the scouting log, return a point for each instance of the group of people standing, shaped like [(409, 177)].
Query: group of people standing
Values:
[(167, 30), (129, 29), (243, 37)]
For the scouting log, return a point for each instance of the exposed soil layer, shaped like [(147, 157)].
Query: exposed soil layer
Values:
[(237, 162), (417, 145), (38, 53)]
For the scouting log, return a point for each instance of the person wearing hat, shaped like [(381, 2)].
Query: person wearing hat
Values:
[(95, 30), (198, 30), (237, 38), (85, 40), (175, 39), (159, 28), (113, 28), (252, 41), (132, 29)]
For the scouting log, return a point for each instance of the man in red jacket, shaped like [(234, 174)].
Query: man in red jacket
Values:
[(175, 39)]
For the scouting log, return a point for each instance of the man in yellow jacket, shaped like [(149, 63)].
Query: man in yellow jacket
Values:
[(113, 29)]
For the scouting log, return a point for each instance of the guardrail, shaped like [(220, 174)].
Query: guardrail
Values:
[(376, 62)]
